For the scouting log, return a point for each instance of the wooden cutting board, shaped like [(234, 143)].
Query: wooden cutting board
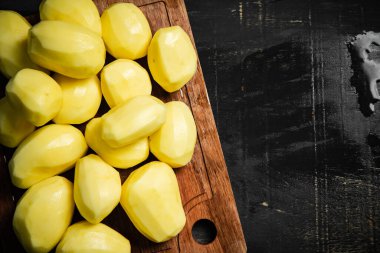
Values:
[(204, 183)]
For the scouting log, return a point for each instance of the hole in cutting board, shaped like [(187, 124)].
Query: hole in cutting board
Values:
[(204, 231)]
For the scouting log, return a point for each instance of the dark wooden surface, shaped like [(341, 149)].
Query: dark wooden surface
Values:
[(204, 183), (302, 159)]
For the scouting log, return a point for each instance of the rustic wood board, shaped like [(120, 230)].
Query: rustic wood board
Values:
[(204, 183)]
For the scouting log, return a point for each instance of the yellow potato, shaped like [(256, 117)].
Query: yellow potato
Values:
[(13, 43), (172, 58), (84, 237), (137, 118), (150, 197), (174, 142), (97, 188), (80, 101), (13, 127), (43, 214), (35, 95), (66, 48), (126, 31), (48, 151), (80, 12), (122, 158), (123, 79)]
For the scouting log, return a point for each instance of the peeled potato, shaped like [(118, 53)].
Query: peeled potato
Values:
[(126, 31), (48, 151), (137, 118), (13, 127), (14, 30), (124, 79), (80, 99), (122, 158), (80, 12), (97, 188), (84, 237), (172, 58), (43, 214), (174, 142), (150, 197), (36, 95), (66, 48)]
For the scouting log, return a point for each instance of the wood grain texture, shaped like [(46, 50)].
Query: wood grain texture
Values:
[(204, 183)]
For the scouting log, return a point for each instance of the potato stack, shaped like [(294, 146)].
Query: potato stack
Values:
[(57, 79)]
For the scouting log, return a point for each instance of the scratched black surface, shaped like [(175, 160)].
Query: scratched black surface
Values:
[(303, 159)]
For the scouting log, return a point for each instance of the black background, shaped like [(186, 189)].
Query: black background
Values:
[(302, 158)]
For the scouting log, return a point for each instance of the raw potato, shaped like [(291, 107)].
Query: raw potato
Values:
[(66, 48), (150, 197), (172, 58), (43, 214), (80, 12), (122, 158), (13, 43), (97, 188), (35, 95), (126, 31), (80, 101), (137, 118), (48, 151), (13, 127), (124, 79), (84, 237), (174, 142), (69, 42)]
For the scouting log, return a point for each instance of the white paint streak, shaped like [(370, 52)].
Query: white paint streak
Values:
[(316, 186), (327, 237), (372, 107), (260, 16), (241, 12)]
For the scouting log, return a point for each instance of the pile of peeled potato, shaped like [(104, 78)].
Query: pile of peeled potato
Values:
[(57, 79)]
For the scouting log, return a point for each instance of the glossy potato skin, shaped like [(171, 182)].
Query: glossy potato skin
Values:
[(132, 120), (13, 127), (123, 79), (80, 12), (126, 31), (84, 237), (48, 151), (43, 214), (97, 188), (174, 142), (13, 44), (35, 95), (151, 198), (172, 59), (123, 157), (66, 48), (81, 99)]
